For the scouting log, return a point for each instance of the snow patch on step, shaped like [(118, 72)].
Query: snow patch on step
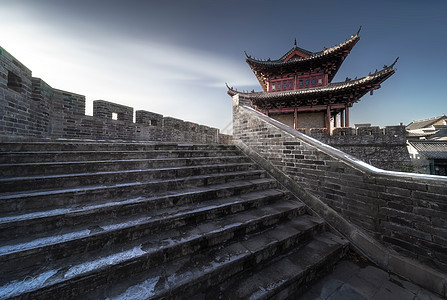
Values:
[(143, 290), (16, 287), (35, 215), (44, 241), (58, 239), (113, 259)]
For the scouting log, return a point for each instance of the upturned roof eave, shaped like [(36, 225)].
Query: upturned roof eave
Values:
[(372, 79), (327, 53)]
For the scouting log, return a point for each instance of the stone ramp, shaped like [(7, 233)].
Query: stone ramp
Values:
[(143, 220)]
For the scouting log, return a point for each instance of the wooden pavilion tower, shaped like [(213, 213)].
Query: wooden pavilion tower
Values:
[(298, 89)]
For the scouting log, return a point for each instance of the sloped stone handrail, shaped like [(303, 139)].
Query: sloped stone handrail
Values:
[(394, 218)]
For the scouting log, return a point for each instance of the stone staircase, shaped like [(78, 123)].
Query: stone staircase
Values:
[(92, 220)]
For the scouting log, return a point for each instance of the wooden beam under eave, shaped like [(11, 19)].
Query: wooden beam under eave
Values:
[(307, 108)]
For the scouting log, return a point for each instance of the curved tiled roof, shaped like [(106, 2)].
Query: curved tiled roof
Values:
[(418, 133), (347, 45), (362, 86), (424, 123), (329, 60), (431, 149)]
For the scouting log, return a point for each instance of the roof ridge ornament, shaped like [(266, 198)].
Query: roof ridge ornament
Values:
[(358, 31), (294, 45), (394, 62)]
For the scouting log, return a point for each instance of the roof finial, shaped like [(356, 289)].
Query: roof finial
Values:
[(394, 62), (358, 31), (294, 43)]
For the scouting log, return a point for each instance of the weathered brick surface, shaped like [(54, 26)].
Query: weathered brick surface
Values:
[(405, 212), (15, 86), (383, 148), (105, 109), (30, 108), (148, 118)]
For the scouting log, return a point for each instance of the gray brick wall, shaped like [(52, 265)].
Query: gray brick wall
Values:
[(405, 212), (105, 109), (15, 90), (384, 148), (148, 118)]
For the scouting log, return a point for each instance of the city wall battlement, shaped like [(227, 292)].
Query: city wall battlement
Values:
[(361, 135), (385, 148), (32, 108)]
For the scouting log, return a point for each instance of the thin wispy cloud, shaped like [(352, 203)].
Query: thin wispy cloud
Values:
[(148, 75), (174, 57)]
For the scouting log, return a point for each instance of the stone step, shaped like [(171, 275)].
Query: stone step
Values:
[(58, 198), (86, 272), (59, 156), (285, 276), (104, 146), (44, 221), (49, 168), (190, 277), (107, 177), (29, 251), (121, 220)]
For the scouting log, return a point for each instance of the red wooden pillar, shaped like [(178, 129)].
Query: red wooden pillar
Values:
[(328, 118), (347, 116), (295, 119)]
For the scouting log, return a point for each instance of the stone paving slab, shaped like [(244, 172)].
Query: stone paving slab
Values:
[(354, 280)]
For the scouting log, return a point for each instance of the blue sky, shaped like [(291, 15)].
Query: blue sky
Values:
[(174, 57)]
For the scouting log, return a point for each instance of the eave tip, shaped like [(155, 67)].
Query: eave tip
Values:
[(358, 31), (395, 62)]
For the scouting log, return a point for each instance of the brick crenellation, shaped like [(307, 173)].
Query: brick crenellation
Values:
[(30, 108)]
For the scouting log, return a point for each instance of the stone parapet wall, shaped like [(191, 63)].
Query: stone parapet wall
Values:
[(105, 109), (383, 148), (148, 118), (402, 215), (31, 108), (15, 92)]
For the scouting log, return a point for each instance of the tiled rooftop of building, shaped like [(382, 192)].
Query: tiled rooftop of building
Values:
[(425, 123), (431, 149)]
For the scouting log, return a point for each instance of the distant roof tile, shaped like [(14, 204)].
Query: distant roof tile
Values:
[(431, 149), (418, 133), (424, 123)]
